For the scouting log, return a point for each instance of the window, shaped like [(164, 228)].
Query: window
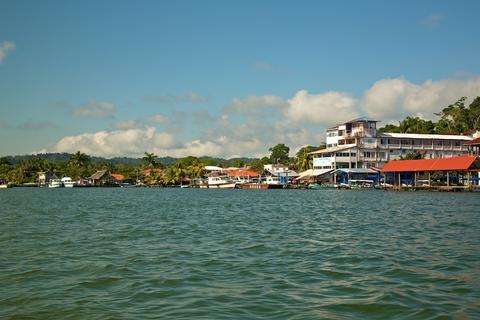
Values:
[(392, 141), (383, 141)]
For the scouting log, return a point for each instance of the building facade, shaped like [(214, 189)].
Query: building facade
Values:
[(358, 144)]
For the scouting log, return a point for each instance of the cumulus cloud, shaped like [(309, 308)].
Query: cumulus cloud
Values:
[(95, 109), (324, 109), (433, 20), (172, 99), (5, 48), (394, 99), (249, 126), (116, 143)]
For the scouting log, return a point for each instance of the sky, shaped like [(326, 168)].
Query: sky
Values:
[(223, 78)]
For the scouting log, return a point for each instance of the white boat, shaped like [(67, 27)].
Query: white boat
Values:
[(273, 180), (55, 183), (220, 182), (4, 186), (68, 182)]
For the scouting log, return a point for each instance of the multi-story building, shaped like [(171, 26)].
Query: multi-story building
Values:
[(358, 144)]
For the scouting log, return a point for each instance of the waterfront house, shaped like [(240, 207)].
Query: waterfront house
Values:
[(102, 178), (358, 144), (316, 176)]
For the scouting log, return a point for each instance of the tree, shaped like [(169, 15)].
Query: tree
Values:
[(79, 160), (390, 128), (150, 160), (187, 162), (412, 156), (279, 153), (304, 161), (457, 119), (416, 125), (173, 175)]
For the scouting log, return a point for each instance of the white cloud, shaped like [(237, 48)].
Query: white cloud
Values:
[(433, 20), (95, 109), (158, 119), (132, 142), (249, 126), (5, 48), (393, 99), (325, 108)]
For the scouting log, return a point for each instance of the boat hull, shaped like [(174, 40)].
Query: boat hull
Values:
[(222, 186), (262, 186)]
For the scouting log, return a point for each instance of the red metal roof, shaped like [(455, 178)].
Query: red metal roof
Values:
[(118, 176), (242, 173), (462, 163), (473, 142)]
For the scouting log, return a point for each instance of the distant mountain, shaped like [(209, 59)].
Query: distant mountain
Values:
[(53, 157)]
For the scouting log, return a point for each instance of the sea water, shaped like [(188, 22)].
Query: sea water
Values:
[(139, 253)]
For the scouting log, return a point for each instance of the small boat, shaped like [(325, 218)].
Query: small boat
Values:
[(55, 183), (68, 182), (361, 184), (4, 186), (316, 186), (220, 182), (274, 182)]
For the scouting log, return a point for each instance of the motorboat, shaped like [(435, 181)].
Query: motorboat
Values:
[(55, 183), (220, 182), (68, 182)]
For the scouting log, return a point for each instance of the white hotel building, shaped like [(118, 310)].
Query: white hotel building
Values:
[(357, 144)]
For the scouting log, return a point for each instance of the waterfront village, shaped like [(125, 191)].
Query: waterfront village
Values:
[(356, 155)]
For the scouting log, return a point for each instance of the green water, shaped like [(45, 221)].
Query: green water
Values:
[(238, 254)]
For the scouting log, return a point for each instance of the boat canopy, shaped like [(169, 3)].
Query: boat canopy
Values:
[(354, 170)]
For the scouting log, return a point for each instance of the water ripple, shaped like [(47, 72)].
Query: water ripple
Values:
[(238, 254)]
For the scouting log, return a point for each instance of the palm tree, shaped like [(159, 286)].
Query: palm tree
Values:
[(174, 175), (79, 160), (150, 160)]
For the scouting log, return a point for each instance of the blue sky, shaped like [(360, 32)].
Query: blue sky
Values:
[(223, 78)]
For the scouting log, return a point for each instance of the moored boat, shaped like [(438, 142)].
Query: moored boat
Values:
[(220, 182), (68, 182), (55, 183)]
